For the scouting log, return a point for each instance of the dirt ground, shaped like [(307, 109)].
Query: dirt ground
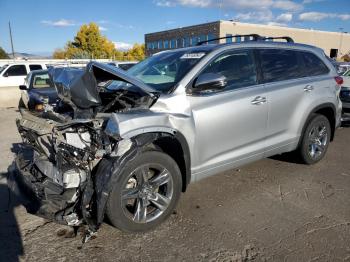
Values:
[(271, 210)]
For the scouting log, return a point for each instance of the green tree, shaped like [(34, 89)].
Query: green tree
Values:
[(3, 54)]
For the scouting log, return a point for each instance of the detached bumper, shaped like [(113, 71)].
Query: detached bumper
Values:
[(39, 194)]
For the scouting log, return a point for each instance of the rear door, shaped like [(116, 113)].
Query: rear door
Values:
[(290, 81), (230, 123)]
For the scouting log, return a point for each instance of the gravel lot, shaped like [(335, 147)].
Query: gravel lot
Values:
[(271, 210)]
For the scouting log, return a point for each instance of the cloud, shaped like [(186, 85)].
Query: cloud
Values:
[(164, 3), (284, 18), (266, 17), (102, 28), (318, 16), (234, 4), (122, 45), (59, 23), (259, 16), (276, 24), (312, 1), (287, 5)]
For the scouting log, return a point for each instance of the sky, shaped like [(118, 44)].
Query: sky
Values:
[(41, 26)]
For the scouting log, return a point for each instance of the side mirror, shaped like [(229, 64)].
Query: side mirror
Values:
[(23, 87), (210, 81), (6, 74)]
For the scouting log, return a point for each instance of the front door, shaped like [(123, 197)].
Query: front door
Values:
[(231, 123)]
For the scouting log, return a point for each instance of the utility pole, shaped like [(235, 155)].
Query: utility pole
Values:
[(341, 40), (13, 51)]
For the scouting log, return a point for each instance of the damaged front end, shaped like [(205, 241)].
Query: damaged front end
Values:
[(66, 160)]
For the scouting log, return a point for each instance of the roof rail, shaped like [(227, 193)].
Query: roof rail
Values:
[(254, 36), (287, 38)]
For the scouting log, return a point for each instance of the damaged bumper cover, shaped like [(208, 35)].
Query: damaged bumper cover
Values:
[(65, 173)]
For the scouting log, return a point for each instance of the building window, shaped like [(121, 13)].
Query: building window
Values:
[(179, 43), (246, 38), (187, 41), (166, 44), (149, 46), (194, 40), (203, 38), (229, 38), (238, 39), (211, 37), (155, 45), (333, 53), (173, 43), (160, 44)]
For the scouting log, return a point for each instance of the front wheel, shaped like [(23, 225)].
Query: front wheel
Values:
[(315, 139), (146, 193)]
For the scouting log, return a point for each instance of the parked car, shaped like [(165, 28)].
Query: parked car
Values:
[(37, 90), (345, 96), (180, 116), (343, 67), (125, 65), (14, 74)]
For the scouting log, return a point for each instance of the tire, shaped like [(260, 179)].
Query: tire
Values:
[(138, 192), (315, 139)]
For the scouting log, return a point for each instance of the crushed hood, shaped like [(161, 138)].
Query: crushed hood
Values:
[(80, 87)]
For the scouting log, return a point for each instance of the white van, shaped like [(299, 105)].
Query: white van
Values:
[(13, 74)]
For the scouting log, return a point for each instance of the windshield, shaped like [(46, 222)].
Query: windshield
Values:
[(163, 71)]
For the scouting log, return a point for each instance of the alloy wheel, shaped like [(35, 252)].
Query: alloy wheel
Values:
[(147, 193)]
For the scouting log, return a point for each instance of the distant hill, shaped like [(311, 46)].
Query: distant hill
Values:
[(41, 55)]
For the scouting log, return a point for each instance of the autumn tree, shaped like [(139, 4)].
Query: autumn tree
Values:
[(137, 52), (59, 54), (88, 43), (3, 54)]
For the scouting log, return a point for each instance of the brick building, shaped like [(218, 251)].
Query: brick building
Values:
[(335, 44)]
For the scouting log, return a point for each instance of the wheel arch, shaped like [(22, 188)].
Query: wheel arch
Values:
[(175, 145), (328, 110)]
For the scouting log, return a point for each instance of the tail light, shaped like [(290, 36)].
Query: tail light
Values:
[(339, 80)]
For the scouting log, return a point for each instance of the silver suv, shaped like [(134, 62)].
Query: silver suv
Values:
[(132, 141)]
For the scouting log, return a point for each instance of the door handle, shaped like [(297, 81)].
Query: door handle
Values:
[(258, 100), (308, 88)]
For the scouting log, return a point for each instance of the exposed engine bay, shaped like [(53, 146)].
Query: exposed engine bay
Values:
[(68, 159)]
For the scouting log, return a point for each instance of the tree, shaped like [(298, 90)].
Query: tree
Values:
[(88, 43), (3, 54), (137, 52), (59, 54)]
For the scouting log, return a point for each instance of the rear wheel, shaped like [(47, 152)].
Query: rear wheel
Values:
[(146, 193), (315, 139)]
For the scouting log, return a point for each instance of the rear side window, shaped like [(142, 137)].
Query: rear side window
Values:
[(16, 70), (35, 67), (238, 67), (313, 65), (279, 64)]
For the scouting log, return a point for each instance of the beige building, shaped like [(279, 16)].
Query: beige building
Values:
[(334, 44)]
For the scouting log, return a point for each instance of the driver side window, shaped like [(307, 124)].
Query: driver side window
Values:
[(237, 66)]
